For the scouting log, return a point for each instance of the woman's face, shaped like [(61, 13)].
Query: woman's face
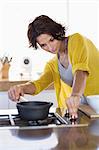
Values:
[(48, 43)]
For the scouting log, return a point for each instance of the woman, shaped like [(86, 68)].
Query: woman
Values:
[(74, 69)]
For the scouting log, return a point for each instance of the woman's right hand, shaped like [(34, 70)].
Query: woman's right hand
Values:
[(15, 92)]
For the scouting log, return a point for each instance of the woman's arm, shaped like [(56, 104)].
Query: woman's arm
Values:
[(79, 84), (32, 87), (16, 91)]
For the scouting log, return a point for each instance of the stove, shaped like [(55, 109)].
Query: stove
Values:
[(10, 119)]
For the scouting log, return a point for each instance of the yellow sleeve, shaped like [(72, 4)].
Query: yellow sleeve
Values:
[(45, 79), (79, 53)]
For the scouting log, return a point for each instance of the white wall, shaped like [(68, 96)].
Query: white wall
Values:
[(15, 17), (84, 18), (78, 15), (46, 95)]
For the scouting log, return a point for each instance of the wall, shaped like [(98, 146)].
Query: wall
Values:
[(15, 16), (78, 15), (84, 18), (46, 95)]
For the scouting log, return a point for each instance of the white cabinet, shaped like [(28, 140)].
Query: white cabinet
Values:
[(46, 95)]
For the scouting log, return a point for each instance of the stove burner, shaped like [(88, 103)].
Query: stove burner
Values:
[(52, 119), (15, 120), (32, 123)]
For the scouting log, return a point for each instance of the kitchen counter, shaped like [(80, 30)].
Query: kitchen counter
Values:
[(56, 138), (5, 84)]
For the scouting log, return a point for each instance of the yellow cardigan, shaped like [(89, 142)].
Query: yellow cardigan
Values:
[(84, 56)]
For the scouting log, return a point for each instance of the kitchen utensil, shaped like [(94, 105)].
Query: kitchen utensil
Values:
[(33, 110), (23, 99)]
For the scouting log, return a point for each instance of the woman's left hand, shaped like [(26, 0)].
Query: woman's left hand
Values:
[(72, 104)]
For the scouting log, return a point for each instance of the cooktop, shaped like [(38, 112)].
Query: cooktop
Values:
[(11, 119)]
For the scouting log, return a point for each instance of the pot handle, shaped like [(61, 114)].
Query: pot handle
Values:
[(51, 104)]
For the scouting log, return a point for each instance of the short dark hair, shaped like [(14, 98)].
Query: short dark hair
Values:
[(44, 25)]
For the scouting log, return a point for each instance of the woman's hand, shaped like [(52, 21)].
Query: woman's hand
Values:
[(72, 104), (78, 87), (15, 92)]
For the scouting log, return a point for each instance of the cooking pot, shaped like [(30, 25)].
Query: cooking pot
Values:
[(33, 110)]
